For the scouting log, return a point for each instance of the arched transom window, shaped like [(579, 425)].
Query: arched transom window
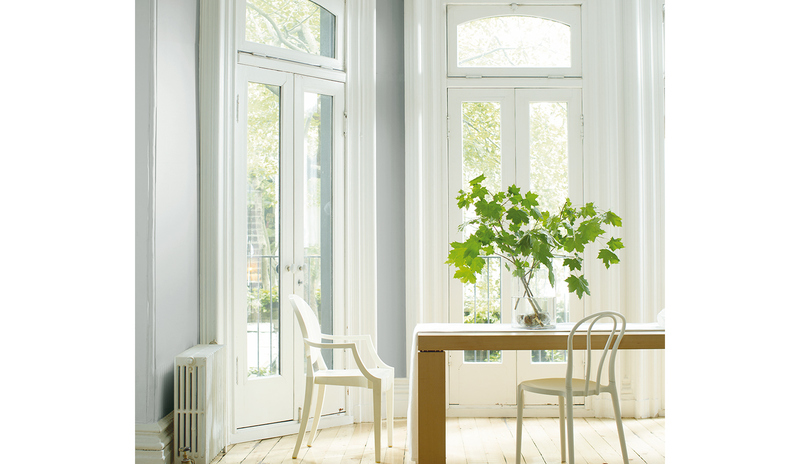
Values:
[(526, 41)]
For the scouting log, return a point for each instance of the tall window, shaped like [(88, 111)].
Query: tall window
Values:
[(509, 124), (288, 202)]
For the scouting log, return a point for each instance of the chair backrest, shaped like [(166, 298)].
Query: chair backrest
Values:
[(309, 325), (618, 329)]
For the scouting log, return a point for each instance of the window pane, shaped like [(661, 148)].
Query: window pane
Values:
[(548, 154), (298, 25), (317, 219), (550, 180), (513, 42), (481, 154), (263, 215)]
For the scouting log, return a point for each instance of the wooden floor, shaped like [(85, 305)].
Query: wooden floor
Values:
[(469, 440)]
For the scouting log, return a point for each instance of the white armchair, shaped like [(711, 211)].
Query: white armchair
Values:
[(371, 373)]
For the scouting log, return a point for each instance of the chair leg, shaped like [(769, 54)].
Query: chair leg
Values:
[(520, 410), (570, 428), (376, 405), (317, 413), (390, 414), (562, 429), (304, 419), (618, 416)]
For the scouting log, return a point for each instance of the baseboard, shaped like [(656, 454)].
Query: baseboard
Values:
[(154, 442)]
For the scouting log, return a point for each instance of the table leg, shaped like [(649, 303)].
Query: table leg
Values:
[(431, 407)]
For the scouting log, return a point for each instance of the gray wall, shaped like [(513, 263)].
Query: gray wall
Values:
[(172, 323), (167, 314), (390, 186)]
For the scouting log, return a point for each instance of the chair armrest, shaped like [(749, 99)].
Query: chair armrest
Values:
[(353, 349), (351, 346), (369, 346), (346, 337)]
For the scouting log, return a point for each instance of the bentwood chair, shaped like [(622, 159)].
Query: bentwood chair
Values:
[(567, 388), (372, 373)]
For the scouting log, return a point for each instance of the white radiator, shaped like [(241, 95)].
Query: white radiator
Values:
[(199, 398)]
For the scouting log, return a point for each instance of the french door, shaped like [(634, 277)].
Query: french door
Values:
[(531, 138), (287, 213)]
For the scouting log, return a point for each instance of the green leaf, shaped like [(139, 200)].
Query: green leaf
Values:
[(613, 219), (615, 244), (588, 232), (477, 180), (608, 257), (588, 210), (484, 235), (578, 285), (530, 199), (489, 210), (516, 216), (573, 263), (465, 275)]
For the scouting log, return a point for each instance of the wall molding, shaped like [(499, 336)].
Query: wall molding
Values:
[(154, 442), (360, 184), (150, 333)]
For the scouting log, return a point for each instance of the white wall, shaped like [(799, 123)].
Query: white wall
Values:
[(166, 197), (390, 186)]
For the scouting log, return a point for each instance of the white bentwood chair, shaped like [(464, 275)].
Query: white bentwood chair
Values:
[(567, 388), (372, 373)]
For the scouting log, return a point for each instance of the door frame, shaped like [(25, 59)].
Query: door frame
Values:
[(244, 76), (218, 57), (515, 168)]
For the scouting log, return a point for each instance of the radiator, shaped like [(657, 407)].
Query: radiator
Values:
[(199, 398)]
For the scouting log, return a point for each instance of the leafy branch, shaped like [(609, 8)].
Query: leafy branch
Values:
[(509, 224)]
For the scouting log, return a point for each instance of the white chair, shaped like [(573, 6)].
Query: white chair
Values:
[(567, 388), (372, 373)]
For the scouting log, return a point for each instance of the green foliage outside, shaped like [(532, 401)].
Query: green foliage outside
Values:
[(509, 224), (298, 25)]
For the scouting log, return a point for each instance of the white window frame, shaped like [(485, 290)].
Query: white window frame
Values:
[(335, 7), (566, 14)]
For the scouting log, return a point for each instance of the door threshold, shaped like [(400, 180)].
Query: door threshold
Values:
[(281, 429)]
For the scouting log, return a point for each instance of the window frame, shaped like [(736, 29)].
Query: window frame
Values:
[(566, 14), (335, 7)]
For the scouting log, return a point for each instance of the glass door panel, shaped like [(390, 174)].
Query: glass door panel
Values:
[(531, 138), (481, 131), (319, 119), (263, 319), (263, 233), (549, 154), (318, 227), (481, 146)]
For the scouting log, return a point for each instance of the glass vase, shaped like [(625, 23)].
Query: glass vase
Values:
[(532, 313)]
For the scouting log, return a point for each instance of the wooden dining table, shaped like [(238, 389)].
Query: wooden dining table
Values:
[(431, 341)]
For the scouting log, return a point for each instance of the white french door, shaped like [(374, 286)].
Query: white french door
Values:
[(287, 212), (532, 138)]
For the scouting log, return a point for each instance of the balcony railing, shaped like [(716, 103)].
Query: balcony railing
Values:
[(263, 312)]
